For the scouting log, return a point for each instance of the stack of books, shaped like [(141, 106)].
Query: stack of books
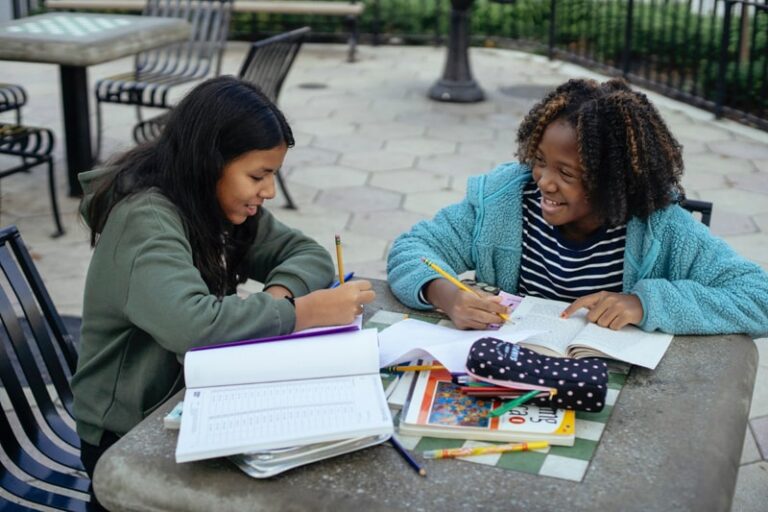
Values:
[(275, 404)]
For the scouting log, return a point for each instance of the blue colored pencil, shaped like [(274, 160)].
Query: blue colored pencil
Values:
[(347, 277), (407, 456)]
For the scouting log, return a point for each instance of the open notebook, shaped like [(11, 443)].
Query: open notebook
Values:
[(256, 397)]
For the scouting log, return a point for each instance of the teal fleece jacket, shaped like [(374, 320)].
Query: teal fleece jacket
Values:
[(688, 281), (146, 304)]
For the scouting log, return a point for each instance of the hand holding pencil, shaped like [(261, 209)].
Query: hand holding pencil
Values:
[(467, 308)]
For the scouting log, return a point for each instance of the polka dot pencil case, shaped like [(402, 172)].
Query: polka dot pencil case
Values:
[(580, 384)]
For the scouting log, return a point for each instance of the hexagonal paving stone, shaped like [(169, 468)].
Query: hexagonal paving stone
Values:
[(761, 165), (754, 182), (378, 160), (325, 177), (326, 126), (692, 147), (360, 199), (725, 223), (301, 113), (410, 180), (697, 180), (738, 201), (375, 269), (701, 132), (388, 224), (348, 142), (357, 248), (421, 146), (496, 152), (456, 165), (761, 221), (461, 133), (740, 149), (300, 155), (709, 162), (301, 194), (428, 118), (315, 221), (393, 130), (753, 247), (428, 203)]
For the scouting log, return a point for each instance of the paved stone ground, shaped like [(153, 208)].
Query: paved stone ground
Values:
[(374, 155)]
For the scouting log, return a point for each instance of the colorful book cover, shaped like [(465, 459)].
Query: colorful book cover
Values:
[(438, 408)]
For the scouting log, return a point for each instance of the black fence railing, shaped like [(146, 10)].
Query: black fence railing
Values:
[(709, 53)]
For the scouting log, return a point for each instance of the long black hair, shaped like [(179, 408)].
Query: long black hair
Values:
[(216, 122), (632, 163)]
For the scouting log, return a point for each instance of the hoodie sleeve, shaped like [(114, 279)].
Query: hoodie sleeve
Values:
[(286, 257), (700, 285)]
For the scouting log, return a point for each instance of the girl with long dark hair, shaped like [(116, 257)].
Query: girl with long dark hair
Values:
[(176, 225)]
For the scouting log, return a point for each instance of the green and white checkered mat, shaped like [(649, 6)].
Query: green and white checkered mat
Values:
[(567, 462)]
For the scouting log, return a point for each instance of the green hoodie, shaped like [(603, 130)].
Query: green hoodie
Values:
[(146, 304)]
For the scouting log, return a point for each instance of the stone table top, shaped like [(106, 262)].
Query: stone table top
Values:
[(673, 442), (84, 39)]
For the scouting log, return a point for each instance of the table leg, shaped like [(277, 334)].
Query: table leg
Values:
[(77, 124)]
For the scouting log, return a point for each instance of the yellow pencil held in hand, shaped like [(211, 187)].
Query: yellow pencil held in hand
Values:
[(456, 282), (339, 259)]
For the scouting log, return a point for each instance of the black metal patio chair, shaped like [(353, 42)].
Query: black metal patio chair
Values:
[(703, 208), (12, 97), (266, 66), (33, 146), (157, 71), (37, 359)]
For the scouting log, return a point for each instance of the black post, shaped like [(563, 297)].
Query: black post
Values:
[(723, 65), (552, 21), (77, 127), (626, 58), (457, 84)]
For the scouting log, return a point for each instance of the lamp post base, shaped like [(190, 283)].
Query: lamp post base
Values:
[(465, 91)]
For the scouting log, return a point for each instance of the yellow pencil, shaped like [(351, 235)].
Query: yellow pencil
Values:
[(415, 368), (484, 450), (456, 282), (339, 259)]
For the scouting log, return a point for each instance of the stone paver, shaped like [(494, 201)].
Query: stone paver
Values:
[(374, 116)]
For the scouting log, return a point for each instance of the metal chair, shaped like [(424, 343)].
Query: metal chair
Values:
[(37, 358), (157, 71), (12, 97), (34, 146), (266, 66), (703, 208)]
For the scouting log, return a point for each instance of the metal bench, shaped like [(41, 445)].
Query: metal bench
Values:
[(350, 11)]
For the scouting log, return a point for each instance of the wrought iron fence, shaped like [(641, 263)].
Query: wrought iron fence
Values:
[(710, 53)]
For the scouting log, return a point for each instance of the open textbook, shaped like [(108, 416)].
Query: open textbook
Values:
[(577, 337), (255, 397), (437, 408)]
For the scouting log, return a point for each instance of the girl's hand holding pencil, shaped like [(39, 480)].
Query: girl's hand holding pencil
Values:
[(333, 306), (468, 309)]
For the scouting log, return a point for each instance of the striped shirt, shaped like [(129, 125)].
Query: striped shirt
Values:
[(555, 268)]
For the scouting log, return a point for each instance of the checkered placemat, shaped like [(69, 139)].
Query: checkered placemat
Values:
[(567, 462)]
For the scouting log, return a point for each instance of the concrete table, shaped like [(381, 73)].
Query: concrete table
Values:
[(673, 442), (75, 41)]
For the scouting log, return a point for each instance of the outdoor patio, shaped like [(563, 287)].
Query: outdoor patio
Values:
[(374, 155)]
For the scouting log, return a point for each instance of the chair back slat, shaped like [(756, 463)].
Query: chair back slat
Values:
[(44, 497), (37, 324), (196, 56), (19, 366), (269, 61), (703, 208)]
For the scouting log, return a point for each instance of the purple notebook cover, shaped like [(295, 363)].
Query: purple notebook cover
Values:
[(293, 336)]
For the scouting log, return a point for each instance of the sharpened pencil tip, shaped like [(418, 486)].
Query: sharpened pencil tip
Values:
[(423, 472)]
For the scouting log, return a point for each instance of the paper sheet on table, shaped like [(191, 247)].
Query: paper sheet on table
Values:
[(413, 339)]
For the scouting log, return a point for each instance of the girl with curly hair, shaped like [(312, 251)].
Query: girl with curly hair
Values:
[(588, 215)]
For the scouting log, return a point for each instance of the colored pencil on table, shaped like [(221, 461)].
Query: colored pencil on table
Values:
[(484, 450), (514, 403), (339, 259), (405, 455), (456, 282), (415, 368)]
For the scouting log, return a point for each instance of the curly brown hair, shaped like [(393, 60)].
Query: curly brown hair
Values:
[(632, 163)]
